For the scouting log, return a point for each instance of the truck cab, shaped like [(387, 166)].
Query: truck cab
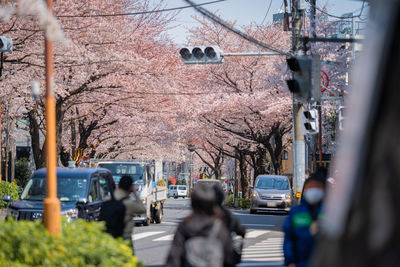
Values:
[(145, 179), (81, 192)]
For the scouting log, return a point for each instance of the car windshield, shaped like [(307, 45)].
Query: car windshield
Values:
[(181, 187), (272, 183), (68, 189), (120, 169)]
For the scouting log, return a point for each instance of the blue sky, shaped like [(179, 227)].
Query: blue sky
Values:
[(245, 12)]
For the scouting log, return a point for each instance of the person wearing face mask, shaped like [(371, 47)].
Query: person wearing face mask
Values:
[(301, 225)]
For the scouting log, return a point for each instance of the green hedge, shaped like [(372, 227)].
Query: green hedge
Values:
[(10, 189), (82, 243), (243, 202)]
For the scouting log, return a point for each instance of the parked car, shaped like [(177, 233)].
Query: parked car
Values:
[(172, 191), (81, 192), (209, 182), (271, 193)]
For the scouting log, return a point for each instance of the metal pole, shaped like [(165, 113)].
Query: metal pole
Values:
[(299, 143), (314, 35), (236, 185), (51, 205)]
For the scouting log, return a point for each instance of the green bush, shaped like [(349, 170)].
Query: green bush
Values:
[(82, 243), (10, 189), (22, 171), (243, 203)]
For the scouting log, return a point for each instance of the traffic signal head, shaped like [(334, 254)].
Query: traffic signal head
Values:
[(201, 55), (310, 121), (6, 44), (300, 85)]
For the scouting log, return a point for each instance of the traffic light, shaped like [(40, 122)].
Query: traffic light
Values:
[(310, 121), (6, 44), (342, 117), (300, 85), (201, 55)]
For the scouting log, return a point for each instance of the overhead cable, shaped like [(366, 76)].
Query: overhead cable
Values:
[(137, 13), (219, 21)]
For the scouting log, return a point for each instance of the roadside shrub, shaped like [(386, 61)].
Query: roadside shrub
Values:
[(22, 171), (82, 243), (10, 189), (242, 202)]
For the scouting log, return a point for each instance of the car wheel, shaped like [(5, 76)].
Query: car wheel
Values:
[(146, 222), (252, 211)]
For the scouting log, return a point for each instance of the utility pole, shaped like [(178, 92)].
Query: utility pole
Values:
[(299, 150), (313, 32), (51, 204)]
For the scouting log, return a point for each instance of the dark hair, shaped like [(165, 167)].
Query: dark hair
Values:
[(219, 194), (203, 199), (319, 176), (125, 183)]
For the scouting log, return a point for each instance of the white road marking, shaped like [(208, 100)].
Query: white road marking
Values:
[(259, 264), (164, 238), (254, 224), (146, 234), (268, 252), (256, 233)]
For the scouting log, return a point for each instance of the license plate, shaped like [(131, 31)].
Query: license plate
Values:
[(272, 204)]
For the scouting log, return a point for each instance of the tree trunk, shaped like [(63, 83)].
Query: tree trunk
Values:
[(244, 183), (37, 149)]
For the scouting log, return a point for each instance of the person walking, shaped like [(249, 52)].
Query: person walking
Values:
[(118, 212), (201, 239), (235, 228), (301, 225)]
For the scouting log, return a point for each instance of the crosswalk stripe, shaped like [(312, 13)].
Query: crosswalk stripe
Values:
[(256, 233), (248, 252), (262, 255), (146, 234), (260, 264), (266, 259), (268, 252), (164, 238)]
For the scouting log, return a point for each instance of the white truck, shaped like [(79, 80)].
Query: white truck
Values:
[(149, 183)]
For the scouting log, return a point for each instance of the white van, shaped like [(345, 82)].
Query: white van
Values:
[(182, 191), (172, 191)]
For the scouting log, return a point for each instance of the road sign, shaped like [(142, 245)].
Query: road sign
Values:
[(324, 81)]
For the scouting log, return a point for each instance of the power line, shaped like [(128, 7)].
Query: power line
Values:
[(339, 17), (138, 13), (219, 21), (266, 14)]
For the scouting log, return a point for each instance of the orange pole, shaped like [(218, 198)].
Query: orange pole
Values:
[(51, 205)]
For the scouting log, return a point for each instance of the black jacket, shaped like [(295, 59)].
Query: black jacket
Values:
[(197, 225), (233, 223)]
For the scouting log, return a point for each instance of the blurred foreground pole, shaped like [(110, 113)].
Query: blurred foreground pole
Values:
[(51, 205)]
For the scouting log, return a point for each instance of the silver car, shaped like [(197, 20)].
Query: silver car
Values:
[(271, 193)]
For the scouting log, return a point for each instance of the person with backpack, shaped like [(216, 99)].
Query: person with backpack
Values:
[(202, 239), (118, 212), (301, 227), (235, 228)]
